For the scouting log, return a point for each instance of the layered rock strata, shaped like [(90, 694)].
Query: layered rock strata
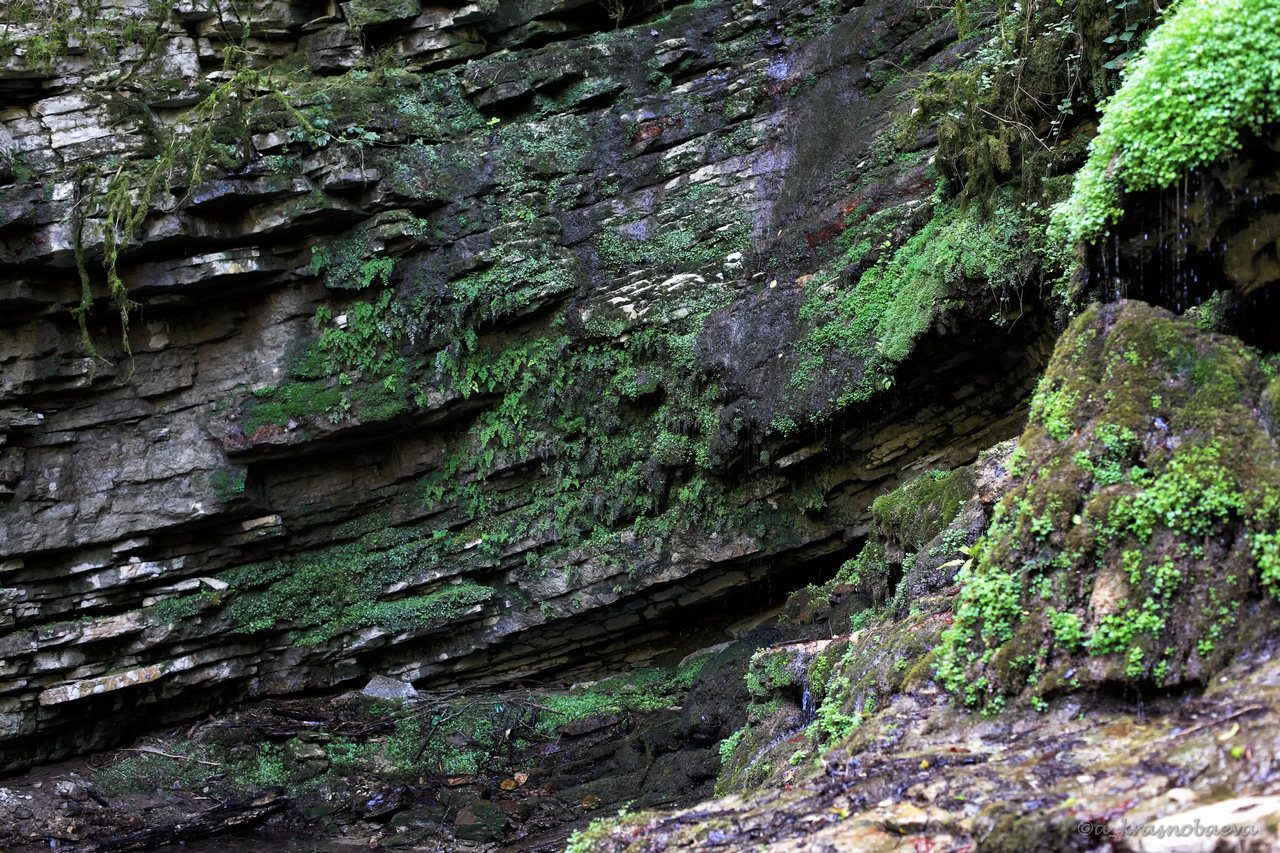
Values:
[(455, 342)]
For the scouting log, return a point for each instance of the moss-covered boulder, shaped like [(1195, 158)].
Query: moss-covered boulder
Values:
[(1138, 542)]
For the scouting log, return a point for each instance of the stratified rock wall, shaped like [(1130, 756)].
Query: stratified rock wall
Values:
[(465, 337)]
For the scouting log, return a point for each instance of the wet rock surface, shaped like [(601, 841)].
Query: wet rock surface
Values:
[(466, 354), (457, 350), (1089, 772), (1131, 546)]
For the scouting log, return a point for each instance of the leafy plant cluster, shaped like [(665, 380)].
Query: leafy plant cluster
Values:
[(194, 766), (361, 110), (879, 318), (1207, 77)]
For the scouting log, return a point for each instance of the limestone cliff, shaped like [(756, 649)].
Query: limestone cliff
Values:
[(461, 341)]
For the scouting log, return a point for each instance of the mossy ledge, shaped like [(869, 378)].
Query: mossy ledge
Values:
[(1208, 77)]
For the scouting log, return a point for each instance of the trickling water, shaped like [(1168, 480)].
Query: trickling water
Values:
[(808, 713), (808, 709)]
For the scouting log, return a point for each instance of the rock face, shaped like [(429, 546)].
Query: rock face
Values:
[(452, 342), (1136, 543)]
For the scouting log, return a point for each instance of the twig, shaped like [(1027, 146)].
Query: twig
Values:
[(170, 755), (1211, 723), (1027, 128)]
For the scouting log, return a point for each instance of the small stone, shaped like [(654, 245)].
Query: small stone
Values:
[(480, 822), (72, 791), (381, 687), (908, 818)]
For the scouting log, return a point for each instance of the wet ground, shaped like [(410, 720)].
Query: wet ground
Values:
[(1186, 773), (1091, 772), (518, 770)]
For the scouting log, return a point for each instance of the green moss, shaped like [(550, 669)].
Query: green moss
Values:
[(1007, 113), (1124, 526), (1207, 76), (174, 611), (835, 720), (916, 512), (599, 831), (704, 234), (419, 612), (228, 485), (292, 401), (640, 691), (772, 670), (364, 12), (879, 318), (323, 593)]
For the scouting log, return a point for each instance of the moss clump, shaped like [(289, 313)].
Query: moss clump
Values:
[(918, 511), (640, 691), (957, 255), (292, 401), (772, 670), (324, 593), (1140, 522), (1208, 75)]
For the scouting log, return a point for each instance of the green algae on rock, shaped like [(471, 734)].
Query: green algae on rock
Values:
[(1134, 544)]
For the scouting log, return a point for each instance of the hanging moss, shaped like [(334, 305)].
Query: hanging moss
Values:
[(1209, 75), (1013, 108)]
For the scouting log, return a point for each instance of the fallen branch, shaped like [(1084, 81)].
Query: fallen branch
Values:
[(148, 749), (1251, 709), (238, 814)]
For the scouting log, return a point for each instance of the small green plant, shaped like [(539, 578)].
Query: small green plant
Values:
[(228, 485), (1205, 78), (1068, 628), (729, 744)]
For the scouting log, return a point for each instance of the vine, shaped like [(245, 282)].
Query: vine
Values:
[(184, 154)]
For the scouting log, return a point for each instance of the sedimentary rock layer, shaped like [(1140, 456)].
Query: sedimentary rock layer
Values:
[(456, 342)]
